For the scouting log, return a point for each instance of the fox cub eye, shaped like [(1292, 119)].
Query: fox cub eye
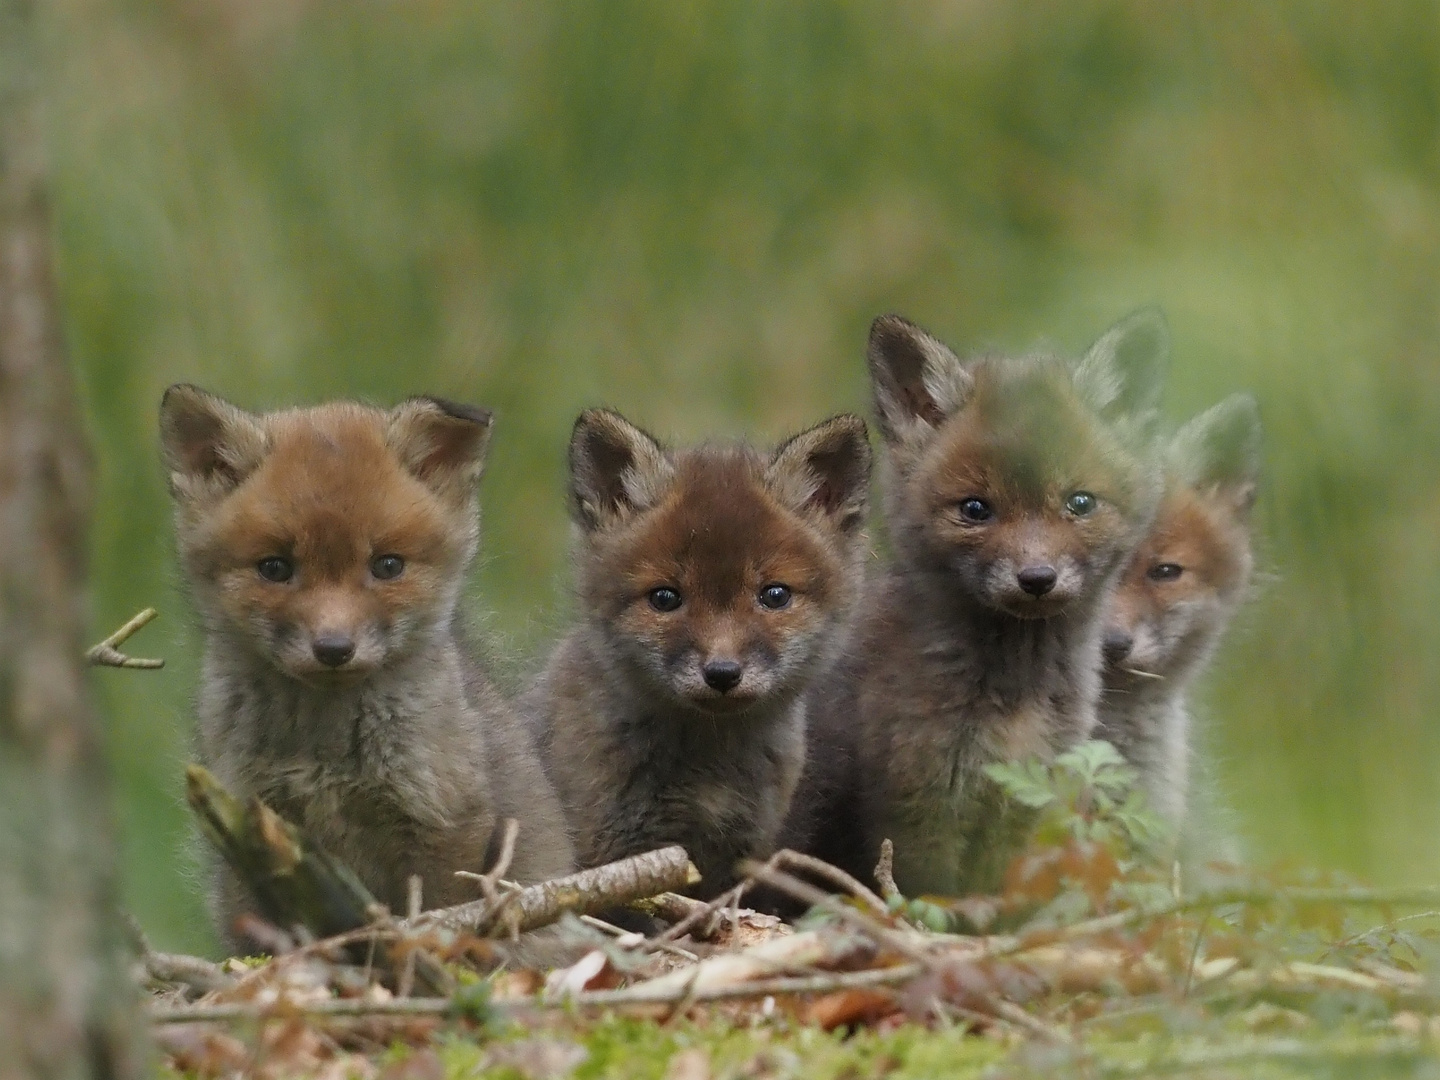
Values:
[(664, 599), (386, 567), (1165, 571), (1081, 503), (275, 568), (775, 597), (976, 510)]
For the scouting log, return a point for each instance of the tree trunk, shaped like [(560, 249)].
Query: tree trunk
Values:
[(66, 1009)]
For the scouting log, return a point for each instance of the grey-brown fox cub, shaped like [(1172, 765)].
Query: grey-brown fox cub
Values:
[(713, 584), (1016, 490), (325, 550), (1177, 596)]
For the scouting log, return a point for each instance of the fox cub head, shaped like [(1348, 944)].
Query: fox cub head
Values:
[(329, 540), (717, 577), (1018, 485), (1192, 568)]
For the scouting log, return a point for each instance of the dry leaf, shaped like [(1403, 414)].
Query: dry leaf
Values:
[(849, 1008)]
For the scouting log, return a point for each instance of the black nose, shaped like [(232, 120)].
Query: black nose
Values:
[(1117, 645), (723, 675), (332, 650), (1037, 580)]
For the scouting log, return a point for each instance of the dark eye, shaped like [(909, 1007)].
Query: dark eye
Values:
[(775, 597), (386, 567), (973, 509), (1165, 571), (664, 599), (1081, 503), (275, 568)]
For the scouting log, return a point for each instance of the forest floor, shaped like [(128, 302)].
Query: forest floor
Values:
[(1095, 960)]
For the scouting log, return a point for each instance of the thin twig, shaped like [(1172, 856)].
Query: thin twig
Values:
[(107, 653), (628, 939), (907, 944), (797, 860), (635, 995), (701, 914), (885, 871)]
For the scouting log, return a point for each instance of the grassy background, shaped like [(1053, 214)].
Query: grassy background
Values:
[(691, 209)]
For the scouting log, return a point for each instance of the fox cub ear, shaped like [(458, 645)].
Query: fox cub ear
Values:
[(442, 443), (1123, 374), (208, 445), (615, 469), (1220, 450), (918, 381), (825, 469)]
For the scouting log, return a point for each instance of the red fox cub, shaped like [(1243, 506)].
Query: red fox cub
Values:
[(713, 584), (1016, 490), (325, 550), (1178, 594)]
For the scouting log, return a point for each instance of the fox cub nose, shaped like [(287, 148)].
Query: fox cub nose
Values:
[(1037, 580), (1117, 645), (332, 650), (723, 675)]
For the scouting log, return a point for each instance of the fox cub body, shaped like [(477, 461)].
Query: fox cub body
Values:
[(1016, 491), (1178, 594), (325, 550), (712, 584)]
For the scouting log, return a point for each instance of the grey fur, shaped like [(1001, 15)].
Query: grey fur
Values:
[(637, 755), (939, 680), (1144, 711)]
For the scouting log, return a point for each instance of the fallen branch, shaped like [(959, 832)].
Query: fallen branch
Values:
[(107, 653), (586, 893), (645, 994)]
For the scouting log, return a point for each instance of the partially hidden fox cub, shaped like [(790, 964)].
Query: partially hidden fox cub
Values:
[(325, 550), (712, 585), (1016, 491), (1178, 594)]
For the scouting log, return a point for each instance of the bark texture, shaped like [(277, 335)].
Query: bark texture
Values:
[(66, 1009)]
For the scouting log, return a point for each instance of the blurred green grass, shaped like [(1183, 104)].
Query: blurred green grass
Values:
[(691, 211)]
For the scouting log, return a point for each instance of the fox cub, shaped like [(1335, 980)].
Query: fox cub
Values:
[(1016, 491), (1178, 594), (325, 550), (713, 584)]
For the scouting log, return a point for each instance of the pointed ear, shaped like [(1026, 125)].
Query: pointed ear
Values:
[(441, 443), (208, 445), (615, 469), (1220, 450), (825, 470), (1123, 374), (918, 381)]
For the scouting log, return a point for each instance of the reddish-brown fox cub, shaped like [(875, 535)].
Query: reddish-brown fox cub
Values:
[(1016, 490), (1178, 594), (325, 550), (713, 585)]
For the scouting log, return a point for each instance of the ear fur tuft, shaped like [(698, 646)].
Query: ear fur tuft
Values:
[(615, 469), (442, 443), (1221, 449), (208, 445), (917, 380), (826, 470), (1123, 374)]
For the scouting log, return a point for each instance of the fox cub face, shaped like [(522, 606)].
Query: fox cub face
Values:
[(328, 540), (1020, 483), (1191, 571), (718, 577)]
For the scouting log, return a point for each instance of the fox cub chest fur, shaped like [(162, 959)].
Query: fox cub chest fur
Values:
[(712, 586), (325, 551), (1015, 491), (1177, 596)]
